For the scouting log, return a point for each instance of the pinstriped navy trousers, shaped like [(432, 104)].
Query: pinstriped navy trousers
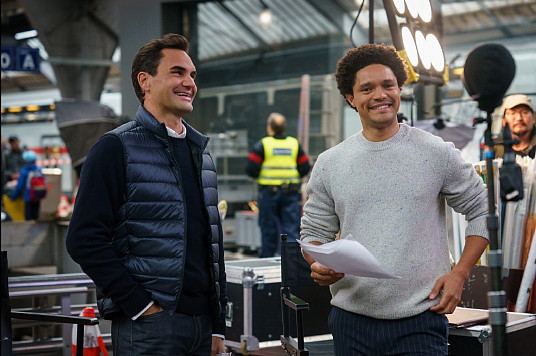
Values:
[(359, 335)]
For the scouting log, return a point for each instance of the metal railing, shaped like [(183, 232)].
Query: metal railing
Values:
[(40, 288)]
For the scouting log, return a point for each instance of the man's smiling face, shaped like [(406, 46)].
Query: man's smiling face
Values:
[(172, 89), (376, 96)]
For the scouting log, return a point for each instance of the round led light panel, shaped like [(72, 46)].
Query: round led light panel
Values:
[(399, 6), (436, 52), (425, 10), (413, 8), (409, 46), (422, 48)]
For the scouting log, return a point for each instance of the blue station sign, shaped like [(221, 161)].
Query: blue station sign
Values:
[(20, 59)]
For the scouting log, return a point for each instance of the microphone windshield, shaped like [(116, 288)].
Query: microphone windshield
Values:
[(488, 72)]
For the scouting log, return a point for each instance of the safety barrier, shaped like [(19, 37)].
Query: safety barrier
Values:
[(44, 291)]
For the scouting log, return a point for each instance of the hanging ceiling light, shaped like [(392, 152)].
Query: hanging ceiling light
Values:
[(25, 35), (265, 17)]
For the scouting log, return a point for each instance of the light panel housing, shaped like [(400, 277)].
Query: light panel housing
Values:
[(415, 27)]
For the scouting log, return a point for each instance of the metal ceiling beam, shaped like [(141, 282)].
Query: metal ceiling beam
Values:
[(262, 44), (87, 62), (80, 38), (504, 29), (321, 6), (363, 30)]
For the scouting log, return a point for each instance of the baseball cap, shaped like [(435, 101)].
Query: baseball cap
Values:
[(29, 156), (511, 101), (12, 138)]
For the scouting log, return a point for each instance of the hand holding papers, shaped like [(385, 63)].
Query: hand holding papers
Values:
[(347, 256)]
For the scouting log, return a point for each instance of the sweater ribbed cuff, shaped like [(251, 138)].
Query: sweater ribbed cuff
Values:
[(218, 326)]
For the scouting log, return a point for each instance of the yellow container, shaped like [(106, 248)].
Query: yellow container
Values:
[(15, 208)]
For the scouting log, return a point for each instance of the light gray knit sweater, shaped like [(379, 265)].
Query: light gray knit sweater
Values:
[(390, 196)]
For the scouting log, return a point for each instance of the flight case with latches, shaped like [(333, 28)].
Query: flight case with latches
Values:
[(254, 312)]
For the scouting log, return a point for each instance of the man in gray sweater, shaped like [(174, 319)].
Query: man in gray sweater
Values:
[(387, 186)]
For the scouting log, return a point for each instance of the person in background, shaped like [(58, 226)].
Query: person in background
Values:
[(278, 162), (519, 115), (3, 172), (386, 186), (14, 160), (31, 208), (146, 226)]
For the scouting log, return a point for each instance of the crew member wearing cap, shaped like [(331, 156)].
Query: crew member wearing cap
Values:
[(519, 115), (14, 160)]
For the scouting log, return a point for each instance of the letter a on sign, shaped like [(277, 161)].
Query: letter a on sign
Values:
[(28, 63), (27, 59)]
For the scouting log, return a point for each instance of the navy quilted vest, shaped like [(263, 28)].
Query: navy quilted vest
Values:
[(151, 237)]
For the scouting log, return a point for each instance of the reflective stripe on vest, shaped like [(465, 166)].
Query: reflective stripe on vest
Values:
[(279, 165)]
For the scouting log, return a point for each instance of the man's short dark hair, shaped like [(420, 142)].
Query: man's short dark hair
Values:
[(148, 58), (358, 58), (12, 139)]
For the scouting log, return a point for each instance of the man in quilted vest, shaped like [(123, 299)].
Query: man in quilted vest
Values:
[(145, 226)]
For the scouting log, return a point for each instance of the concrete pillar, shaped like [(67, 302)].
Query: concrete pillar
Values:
[(80, 38), (141, 21)]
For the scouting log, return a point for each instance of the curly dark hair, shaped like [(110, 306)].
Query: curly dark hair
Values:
[(358, 58), (148, 57)]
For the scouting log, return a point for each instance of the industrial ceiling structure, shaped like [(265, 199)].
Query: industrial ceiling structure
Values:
[(230, 28)]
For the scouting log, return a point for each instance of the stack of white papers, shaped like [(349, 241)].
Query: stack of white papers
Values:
[(347, 256)]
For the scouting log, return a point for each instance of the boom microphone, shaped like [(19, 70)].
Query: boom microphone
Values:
[(488, 72)]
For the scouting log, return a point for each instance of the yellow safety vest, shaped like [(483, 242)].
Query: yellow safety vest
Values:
[(279, 165)]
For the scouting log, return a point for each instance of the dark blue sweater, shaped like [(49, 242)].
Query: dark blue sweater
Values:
[(196, 285)]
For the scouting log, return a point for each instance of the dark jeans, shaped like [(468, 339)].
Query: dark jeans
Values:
[(31, 210), (162, 334), (424, 334), (279, 213)]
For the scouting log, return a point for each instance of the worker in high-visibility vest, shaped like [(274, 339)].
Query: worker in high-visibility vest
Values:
[(278, 162)]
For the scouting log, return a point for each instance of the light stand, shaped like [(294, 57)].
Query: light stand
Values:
[(496, 296), (488, 72)]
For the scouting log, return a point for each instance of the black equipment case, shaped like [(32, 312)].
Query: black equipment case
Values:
[(254, 312)]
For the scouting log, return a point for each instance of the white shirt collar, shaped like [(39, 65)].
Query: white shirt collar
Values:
[(173, 133)]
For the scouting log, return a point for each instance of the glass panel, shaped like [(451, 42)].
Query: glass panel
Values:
[(204, 115), (246, 112), (287, 102), (317, 145)]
